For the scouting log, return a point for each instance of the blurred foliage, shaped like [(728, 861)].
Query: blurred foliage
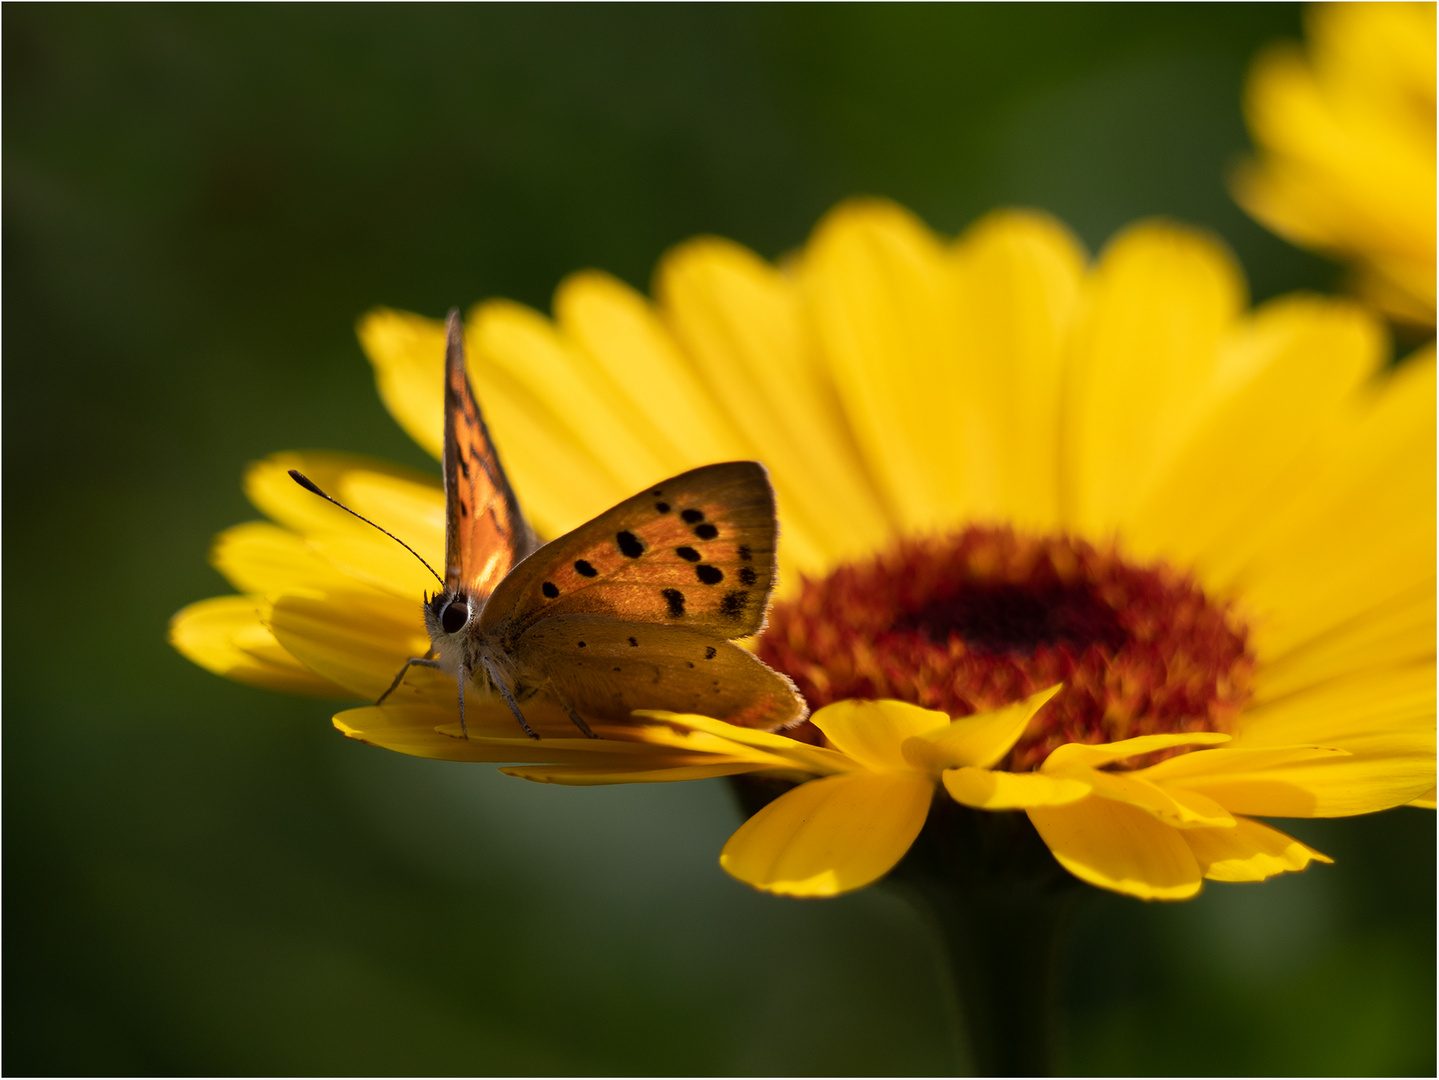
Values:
[(203, 878)]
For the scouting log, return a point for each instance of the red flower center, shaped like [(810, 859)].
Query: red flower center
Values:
[(985, 617)]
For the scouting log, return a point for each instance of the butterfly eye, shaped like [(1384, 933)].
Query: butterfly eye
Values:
[(455, 617)]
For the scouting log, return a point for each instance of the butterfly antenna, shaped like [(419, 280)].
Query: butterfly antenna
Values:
[(310, 485)]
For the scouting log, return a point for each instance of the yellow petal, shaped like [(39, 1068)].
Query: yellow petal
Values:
[(358, 641), (225, 635), (1145, 358), (1119, 847), (408, 355), (259, 557), (982, 739), (878, 289), (743, 325), (1357, 713), (1097, 754), (1017, 275), (621, 335), (433, 731), (1359, 534), (1283, 378), (1398, 634), (830, 836), (1426, 801), (873, 732), (1305, 782), (640, 771), (1174, 807), (1248, 852), (740, 741), (986, 789), (406, 499)]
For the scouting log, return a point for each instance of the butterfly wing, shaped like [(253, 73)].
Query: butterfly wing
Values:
[(695, 552), (485, 533), (604, 668)]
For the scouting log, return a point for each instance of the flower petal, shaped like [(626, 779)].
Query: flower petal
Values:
[(258, 557), (1427, 801), (982, 739), (1361, 531), (1094, 755), (433, 731), (1017, 276), (873, 732), (639, 771), (987, 789), (359, 641), (1145, 356), (1248, 852), (1119, 847), (1398, 634), (619, 332), (408, 355), (830, 836), (225, 635), (744, 741), (743, 325), (878, 289), (1172, 806), (1307, 782), (1284, 377)]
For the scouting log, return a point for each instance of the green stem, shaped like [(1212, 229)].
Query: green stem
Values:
[(1001, 908)]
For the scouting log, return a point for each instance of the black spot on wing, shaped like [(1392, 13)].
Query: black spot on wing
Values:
[(550, 589), (464, 510), (656, 493), (582, 644), (743, 552), (734, 603), (688, 554), (676, 601), (662, 508), (710, 575), (634, 643), (706, 531), (747, 575), (710, 652), (584, 569), (630, 545), (694, 517)]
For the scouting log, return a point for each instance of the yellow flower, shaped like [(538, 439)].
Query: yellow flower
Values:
[(1346, 147), (999, 468)]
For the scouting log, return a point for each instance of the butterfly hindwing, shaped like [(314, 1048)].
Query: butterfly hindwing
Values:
[(605, 668), (695, 552), (485, 532)]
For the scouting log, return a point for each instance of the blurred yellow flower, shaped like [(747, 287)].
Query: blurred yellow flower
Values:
[(999, 468), (1345, 132)]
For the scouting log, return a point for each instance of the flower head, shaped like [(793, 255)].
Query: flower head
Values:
[(1000, 469), (1345, 132)]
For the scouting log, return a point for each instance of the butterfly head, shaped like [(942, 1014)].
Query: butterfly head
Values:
[(448, 614)]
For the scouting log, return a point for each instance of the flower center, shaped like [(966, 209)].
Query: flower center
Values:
[(982, 618)]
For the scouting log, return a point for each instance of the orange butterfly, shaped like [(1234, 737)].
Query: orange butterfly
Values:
[(634, 610)]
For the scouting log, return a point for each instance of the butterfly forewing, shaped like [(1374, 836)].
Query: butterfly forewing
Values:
[(485, 533), (695, 552)]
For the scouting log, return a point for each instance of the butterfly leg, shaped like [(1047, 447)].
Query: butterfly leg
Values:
[(414, 661), (575, 718), (504, 693)]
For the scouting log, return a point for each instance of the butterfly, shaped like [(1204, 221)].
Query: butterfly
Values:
[(636, 609)]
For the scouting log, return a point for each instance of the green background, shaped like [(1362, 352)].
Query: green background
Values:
[(205, 878)]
